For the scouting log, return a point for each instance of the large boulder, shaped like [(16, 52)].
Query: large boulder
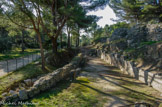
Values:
[(118, 40), (136, 35)]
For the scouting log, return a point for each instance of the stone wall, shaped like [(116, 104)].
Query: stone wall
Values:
[(49, 80), (128, 67)]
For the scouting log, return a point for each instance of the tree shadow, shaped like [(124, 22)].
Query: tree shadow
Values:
[(116, 99), (131, 90), (54, 91), (120, 79)]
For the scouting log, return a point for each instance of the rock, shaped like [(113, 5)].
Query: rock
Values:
[(129, 42), (22, 85), (56, 76), (39, 82), (33, 91), (108, 40), (78, 71), (21, 88), (12, 92), (37, 62), (7, 98), (154, 32), (44, 82), (4, 94), (17, 89), (23, 95), (15, 96), (28, 82), (33, 80), (30, 93), (118, 33), (136, 35)]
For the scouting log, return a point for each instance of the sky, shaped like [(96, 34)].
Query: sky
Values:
[(106, 14)]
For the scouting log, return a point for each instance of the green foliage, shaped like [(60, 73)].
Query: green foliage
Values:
[(110, 29), (12, 36), (85, 40), (5, 40), (17, 53), (117, 41), (149, 43), (137, 10), (99, 33)]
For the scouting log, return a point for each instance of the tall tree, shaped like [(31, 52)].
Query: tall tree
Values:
[(19, 10)]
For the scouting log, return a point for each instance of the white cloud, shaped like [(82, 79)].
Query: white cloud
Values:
[(106, 15)]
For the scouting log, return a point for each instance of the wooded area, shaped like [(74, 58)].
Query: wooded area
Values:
[(27, 23), (59, 29)]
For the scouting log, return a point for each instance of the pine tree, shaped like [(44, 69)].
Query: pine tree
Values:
[(137, 10)]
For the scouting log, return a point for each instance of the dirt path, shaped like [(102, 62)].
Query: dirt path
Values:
[(119, 89), (99, 85)]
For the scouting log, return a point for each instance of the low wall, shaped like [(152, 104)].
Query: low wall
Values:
[(128, 67), (48, 80)]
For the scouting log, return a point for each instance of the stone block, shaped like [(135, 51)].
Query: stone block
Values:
[(136, 73), (11, 92), (130, 68), (28, 82), (23, 95), (157, 83)]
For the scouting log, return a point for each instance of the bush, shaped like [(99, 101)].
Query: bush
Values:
[(5, 44), (61, 58)]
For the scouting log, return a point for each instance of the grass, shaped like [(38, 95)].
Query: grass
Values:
[(32, 70), (70, 94), (149, 43), (88, 92), (118, 40), (17, 53), (83, 93)]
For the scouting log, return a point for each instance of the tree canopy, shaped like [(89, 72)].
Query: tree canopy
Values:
[(137, 10)]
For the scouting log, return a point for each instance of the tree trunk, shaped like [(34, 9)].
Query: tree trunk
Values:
[(78, 37), (22, 42), (71, 42), (54, 44), (41, 50), (61, 41), (78, 41), (68, 42)]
